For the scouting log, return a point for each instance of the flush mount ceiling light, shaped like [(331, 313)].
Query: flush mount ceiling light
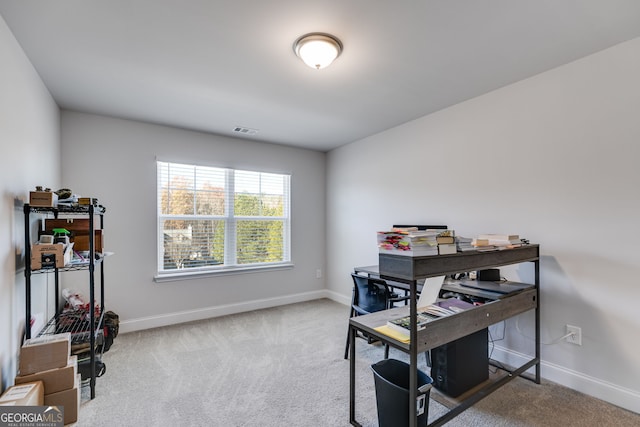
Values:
[(317, 50)]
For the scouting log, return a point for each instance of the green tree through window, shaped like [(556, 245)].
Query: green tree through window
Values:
[(214, 218)]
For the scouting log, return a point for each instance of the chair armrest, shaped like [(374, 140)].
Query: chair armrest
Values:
[(396, 298), (359, 310)]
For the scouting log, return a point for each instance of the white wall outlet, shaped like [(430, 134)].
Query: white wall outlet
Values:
[(319, 273), (576, 335)]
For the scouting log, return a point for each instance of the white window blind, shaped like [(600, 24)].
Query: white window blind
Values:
[(213, 219)]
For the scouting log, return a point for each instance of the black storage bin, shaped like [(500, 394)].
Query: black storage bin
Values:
[(392, 393)]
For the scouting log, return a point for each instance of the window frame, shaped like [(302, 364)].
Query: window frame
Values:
[(229, 265)]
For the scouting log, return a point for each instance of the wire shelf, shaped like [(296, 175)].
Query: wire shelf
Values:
[(76, 322), (72, 267), (80, 209)]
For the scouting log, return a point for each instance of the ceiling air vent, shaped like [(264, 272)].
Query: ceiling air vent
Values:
[(245, 131)]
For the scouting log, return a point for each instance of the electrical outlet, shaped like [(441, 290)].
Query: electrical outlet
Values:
[(318, 274), (576, 335)]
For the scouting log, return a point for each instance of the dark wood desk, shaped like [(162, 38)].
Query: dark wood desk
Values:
[(410, 270)]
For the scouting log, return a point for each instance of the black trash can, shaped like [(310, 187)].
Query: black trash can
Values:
[(392, 393)]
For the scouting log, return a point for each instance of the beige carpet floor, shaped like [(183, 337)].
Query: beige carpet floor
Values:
[(284, 366)]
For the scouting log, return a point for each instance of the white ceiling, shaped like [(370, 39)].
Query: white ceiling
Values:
[(212, 65)]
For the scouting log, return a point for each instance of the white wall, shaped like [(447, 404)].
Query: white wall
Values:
[(553, 158), (115, 161), (30, 143)]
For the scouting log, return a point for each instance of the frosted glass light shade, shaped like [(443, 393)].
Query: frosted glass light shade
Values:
[(317, 50)]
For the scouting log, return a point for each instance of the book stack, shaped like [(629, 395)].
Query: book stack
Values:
[(463, 244), (408, 241), (498, 241), (403, 324), (482, 245), (446, 242), (428, 314)]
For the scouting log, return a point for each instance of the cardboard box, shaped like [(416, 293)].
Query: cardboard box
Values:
[(29, 394), (87, 201), (44, 353), (69, 399), (81, 242), (41, 254), (43, 198), (54, 380)]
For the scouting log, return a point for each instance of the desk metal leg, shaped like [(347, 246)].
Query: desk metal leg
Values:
[(352, 377), (413, 358), (536, 266)]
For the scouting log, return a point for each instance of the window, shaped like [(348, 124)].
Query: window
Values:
[(215, 219)]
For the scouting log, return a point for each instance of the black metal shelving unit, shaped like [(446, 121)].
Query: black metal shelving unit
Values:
[(84, 325)]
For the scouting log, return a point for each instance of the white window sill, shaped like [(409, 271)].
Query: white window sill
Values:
[(199, 274)]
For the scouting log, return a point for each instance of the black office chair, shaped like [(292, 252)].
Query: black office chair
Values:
[(370, 295)]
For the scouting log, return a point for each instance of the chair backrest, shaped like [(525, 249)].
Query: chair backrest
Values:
[(369, 294)]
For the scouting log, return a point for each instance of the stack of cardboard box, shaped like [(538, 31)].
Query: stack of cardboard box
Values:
[(47, 360)]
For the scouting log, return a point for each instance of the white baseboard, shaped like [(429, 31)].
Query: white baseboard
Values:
[(339, 298), (167, 319), (603, 390)]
